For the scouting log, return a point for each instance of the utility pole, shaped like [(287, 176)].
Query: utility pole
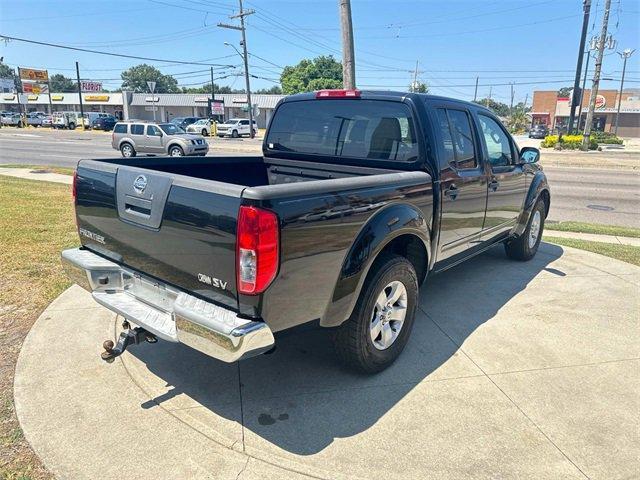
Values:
[(475, 92), (625, 55), (511, 104), (584, 84), (488, 99), (596, 76), (213, 88), (575, 98), (526, 99), (23, 108), (80, 95), (348, 55), (243, 13), (414, 86)]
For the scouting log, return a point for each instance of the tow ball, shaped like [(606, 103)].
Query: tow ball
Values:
[(130, 336)]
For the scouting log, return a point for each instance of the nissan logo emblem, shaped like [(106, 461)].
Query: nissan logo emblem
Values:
[(139, 184)]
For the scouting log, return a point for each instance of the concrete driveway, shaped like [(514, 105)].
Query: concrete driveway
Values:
[(514, 370)]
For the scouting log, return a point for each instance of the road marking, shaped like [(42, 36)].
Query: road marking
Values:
[(26, 135), (61, 156)]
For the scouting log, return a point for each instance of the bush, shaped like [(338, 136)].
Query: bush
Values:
[(568, 142), (606, 138)]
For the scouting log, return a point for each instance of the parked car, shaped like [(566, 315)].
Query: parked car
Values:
[(202, 126), (136, 137), (34, 119), (184, 122), (105, 122), (221, 253), (12, 119), (47, 121), (539, 130), (67, 120), (236, 127)]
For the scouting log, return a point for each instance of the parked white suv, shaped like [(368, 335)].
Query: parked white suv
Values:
[(236, 127)]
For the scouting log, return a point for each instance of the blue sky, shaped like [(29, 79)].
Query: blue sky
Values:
[(530, 42)]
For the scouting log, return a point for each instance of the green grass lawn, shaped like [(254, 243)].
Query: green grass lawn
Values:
[(581, 227), (36, 223), (626, 253)]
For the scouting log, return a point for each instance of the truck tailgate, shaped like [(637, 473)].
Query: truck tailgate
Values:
[(175, 228)]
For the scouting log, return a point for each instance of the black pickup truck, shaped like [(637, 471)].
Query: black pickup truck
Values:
[(358, 196)]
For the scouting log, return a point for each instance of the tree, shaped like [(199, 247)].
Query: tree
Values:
[(60, 83), (275, 90), (7, 72), (419, 87), (564, 92), (206, 88), (518, 120), (322, 72), (136, 78), (499, 108)]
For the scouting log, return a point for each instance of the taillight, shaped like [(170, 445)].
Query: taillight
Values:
[(257, 249), (74, 186), (338, 94)]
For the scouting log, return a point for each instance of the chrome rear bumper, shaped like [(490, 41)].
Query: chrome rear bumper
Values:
[(166, 312)]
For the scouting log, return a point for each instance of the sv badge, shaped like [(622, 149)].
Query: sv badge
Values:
[(215, 282)]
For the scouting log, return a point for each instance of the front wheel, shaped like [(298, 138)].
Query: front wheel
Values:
[(381, 322), (72, 126), (176, 151), (525, 246), (234, 134), (204, 132)]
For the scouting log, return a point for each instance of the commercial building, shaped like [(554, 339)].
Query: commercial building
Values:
[(143, 106), (166, 106), (554, 111)]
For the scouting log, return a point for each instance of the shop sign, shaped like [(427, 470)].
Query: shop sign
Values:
[(96, 98), (35, 88), (33, 74), (89, 86), (57, 98), (601, 102), (32, 98)]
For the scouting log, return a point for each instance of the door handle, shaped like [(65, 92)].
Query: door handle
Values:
[(451, 192), (493, 184)]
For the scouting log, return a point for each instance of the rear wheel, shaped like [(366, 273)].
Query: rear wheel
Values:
[(204, 132), (381, 322), (234, 134), (176, 151), (525, 246), (72, 126), (127, 150)]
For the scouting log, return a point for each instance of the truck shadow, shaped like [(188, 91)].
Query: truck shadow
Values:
[(299, 398)]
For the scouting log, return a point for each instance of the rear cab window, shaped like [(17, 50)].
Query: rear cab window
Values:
[(362, 129), (120, 128)]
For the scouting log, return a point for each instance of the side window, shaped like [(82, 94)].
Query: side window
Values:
[(244, 122), (137, 129), (445, 132), (120, 128), (153, 131), (462, 139), (498, 145)]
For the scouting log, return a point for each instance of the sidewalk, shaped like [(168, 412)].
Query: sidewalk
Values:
[(36, 174), (592, 237)]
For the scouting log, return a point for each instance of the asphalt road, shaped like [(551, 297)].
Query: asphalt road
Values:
[(581, 194)]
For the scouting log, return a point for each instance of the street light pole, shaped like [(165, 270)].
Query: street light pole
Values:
[(625, 55), (596, 76)]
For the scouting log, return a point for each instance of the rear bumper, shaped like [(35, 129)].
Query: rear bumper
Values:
[(168, 313)]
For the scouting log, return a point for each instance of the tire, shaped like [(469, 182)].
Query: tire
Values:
[(234, 134), (72, 126), (354, 340), (204, 132), (127, 150), (525, 246), (176, 151)]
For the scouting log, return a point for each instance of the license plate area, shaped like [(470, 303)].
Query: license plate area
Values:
[(150, 291)]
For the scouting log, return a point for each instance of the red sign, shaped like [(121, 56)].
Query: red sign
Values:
[(601, 102)]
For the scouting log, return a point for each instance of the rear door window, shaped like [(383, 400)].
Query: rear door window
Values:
[(366, 129), (137, 129), (462, 139)]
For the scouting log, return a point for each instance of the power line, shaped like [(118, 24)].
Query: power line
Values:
[(97, 52)]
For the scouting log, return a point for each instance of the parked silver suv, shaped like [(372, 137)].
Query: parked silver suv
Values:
[(137, 136)]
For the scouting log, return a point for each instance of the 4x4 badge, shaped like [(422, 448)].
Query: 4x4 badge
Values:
[(139, 184)]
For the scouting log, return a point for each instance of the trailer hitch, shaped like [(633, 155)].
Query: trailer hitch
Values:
[(131, 336)]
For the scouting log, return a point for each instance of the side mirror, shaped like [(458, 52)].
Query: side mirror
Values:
[(529, 155)]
